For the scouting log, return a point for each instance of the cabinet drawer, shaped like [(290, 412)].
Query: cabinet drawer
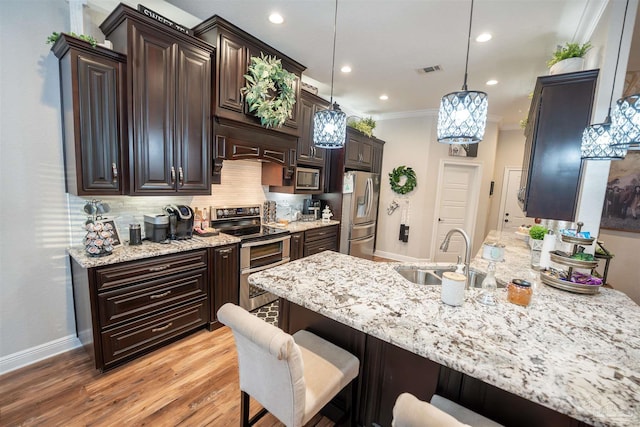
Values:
[(124, 304), (321, 233), (146, 334), (147, 269), (330, 244)]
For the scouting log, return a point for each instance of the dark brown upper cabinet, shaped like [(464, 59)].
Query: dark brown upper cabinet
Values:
[(92, 87), (560, 110), (169, 92), (307, 153), (234, 49), (358, 151)]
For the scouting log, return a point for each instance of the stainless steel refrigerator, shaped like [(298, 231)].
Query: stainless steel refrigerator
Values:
[(359, 213)]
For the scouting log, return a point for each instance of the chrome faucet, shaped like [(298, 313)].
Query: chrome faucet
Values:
[(467, 249)]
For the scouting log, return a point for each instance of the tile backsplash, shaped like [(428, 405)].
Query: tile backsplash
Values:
[(241, 184)]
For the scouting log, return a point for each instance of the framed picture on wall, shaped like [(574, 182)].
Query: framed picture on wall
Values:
[(463, 150), (621, 209)]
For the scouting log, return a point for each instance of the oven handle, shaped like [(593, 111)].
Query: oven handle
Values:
[(265, 242), (264, 267)]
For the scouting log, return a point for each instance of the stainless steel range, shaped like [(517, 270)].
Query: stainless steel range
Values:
[(261, 247)]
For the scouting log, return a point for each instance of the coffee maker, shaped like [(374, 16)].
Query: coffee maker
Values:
[(180, 221), (311, 207)]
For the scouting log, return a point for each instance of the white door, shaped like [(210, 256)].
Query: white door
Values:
[(456, 207), (511, 216)]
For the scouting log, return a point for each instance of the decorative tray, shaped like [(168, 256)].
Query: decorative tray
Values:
[(566, 285), (577, 240), (571, 262)]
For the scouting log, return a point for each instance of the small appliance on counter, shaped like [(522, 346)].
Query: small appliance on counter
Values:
[(180, 221), (156, 227), (312, 207)]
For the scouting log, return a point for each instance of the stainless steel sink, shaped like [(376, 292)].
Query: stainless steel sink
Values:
[(433, 275), (424, 275)]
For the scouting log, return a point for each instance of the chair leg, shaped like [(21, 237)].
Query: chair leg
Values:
[(245, 421), (244, 409)]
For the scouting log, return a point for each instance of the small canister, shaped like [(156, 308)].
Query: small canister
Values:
[(135, 236), (519, 292), (453, 284)]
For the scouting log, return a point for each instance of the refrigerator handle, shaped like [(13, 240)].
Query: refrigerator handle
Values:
[(369, 197)]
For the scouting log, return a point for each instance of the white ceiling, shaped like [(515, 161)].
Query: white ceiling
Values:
[(387, 41)]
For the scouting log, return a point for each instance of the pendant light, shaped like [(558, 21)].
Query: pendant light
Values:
[(330, 126), (626, 121), (462, 117), (599, 140)]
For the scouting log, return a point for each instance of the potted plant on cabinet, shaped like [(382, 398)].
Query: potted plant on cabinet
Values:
[(568, 58)]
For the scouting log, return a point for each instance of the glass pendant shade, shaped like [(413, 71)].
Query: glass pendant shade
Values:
[(329, 128), (462, 117), (626, 121), (596, 143)]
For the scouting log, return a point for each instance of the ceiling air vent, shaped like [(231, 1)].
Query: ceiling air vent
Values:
[(431, 69)]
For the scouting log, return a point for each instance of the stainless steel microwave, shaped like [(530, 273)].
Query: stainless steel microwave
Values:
[(307, 178)]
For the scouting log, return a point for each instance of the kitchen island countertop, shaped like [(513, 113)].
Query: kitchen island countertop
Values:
[(576, 354)]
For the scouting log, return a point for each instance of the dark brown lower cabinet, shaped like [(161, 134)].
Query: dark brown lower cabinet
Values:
[(321, 239), (225, 278), (386, 371), (296, 249), (127, 309)]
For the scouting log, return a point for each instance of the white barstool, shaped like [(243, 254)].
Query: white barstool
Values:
[(292, 377), (410, 411)]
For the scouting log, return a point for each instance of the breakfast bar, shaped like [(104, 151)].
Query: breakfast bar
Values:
[(577, 356)]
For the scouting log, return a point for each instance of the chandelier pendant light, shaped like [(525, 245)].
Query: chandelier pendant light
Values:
[(462, 117), (626, 121), (602, 141), (330, 126)]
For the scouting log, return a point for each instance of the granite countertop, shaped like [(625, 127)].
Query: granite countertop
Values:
[(297, 226), (149, 249), (576, 354)]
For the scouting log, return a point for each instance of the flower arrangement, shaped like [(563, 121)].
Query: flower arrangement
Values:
[(55, 36)]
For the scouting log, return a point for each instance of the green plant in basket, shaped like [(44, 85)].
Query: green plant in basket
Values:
[(366, 125), (537, 232)]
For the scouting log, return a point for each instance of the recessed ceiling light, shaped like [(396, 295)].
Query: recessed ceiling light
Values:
[(383, 97), (484, 37), (345, 69), (492, 82), (276, 18)]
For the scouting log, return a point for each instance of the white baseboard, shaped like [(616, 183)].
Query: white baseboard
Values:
[(35, 354), (397, 257)]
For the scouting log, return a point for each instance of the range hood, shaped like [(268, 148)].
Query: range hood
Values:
[(237, 141)]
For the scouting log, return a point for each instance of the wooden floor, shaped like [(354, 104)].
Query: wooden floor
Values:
[(193, 382)]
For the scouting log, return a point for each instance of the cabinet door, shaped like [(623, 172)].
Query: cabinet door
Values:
[(153, 106), (225, 278), (193, 95), (376, 165), (352, 151), (366, 154), (232, 65), (307, 152), (292, 121), (296, 249), (92, 89), (551, 173)]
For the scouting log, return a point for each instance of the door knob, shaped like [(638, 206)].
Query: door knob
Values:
[(439, 219), (506, 220), (506, 214)]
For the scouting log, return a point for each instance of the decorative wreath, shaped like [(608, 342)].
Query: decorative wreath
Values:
[(410, 181), (269, 91)]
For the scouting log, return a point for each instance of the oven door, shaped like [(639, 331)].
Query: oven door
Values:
[(258, 256)]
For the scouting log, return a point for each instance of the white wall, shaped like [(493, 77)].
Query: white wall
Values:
[(411, 141), (509, 153), (36, 304)]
